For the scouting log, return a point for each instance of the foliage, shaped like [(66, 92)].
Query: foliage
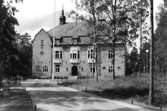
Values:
[(121, 20), (132, 62), (24, 48), (11, 58), (161, 42), (127, 18), (7, 37)]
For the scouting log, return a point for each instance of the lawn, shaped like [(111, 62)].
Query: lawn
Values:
[(16, 100), (123, 88)]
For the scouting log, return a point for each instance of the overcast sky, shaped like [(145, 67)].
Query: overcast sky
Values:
[(36, 14)]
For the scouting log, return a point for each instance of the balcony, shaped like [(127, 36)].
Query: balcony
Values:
[(57, 61), (74, 60), (91, 60)]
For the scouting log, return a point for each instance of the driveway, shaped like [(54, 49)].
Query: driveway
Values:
[(58, 98)]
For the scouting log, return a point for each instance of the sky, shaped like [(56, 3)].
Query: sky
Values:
[(36, 14)]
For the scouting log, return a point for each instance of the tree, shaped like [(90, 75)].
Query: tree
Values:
[(132, 62), (24, 48), (8, 52), (160, 41), (151, 87), (122, 18)]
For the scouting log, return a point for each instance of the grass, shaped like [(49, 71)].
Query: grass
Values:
[(16, 100), (124, 88)]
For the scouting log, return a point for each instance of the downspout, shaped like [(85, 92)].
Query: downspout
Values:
[(52, 64)]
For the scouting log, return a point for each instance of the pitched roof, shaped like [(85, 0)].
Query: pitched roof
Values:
[(71, 29)]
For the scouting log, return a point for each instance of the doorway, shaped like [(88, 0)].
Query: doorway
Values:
[(74, 71)]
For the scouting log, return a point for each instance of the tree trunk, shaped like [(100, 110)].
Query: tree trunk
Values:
[(140, 57), (94, 41), (151, 88), (114, 36)]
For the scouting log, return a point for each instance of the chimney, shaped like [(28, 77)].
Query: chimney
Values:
[(62, 18)]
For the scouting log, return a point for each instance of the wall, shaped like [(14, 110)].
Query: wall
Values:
[(45, 58), (84, 66), (65, 65), (106, 62)]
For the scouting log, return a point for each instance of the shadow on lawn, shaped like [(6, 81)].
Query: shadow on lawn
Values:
[(68, 83), (16, 100), (66, 99), (121, 93)]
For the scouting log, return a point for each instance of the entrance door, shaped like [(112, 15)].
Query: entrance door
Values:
[(74, 71)]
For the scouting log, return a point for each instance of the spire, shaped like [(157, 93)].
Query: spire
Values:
[(62, 17)]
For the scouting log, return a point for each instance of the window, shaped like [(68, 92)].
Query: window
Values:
[(92, 67), (75, 41), (58, 54), (38, 69), (41, 52), (70, 55), (57, 68), (75, 55), (110, 54), (61, 54), (42, 44), (78, 54), (67, 69), (45, 69), (111, 68), (90, 54)]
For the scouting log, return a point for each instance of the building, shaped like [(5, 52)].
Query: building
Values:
[(67, 50)]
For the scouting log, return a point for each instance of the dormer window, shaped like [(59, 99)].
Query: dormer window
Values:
[(76, 40), (57, 41)]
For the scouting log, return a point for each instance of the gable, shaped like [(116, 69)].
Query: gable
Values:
[(42, 34)]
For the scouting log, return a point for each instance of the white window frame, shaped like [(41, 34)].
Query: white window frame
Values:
[(58, 54), (90, 53), (75, 55)]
